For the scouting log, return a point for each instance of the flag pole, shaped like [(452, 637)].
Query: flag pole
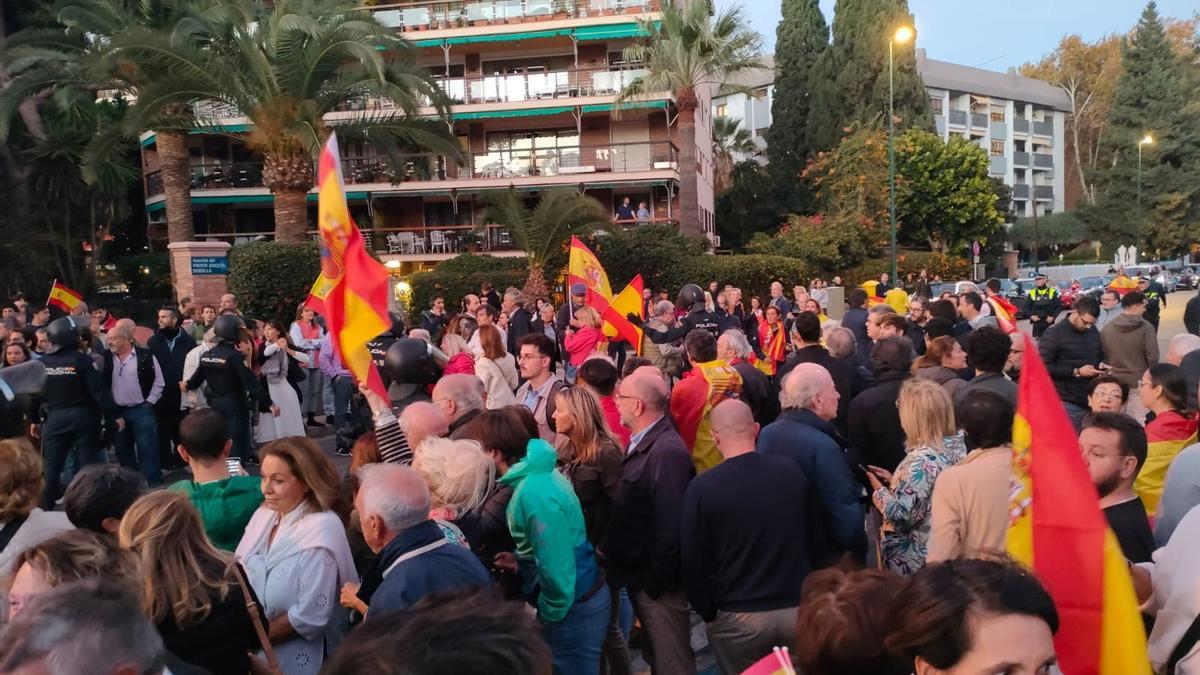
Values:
[(50, 295)]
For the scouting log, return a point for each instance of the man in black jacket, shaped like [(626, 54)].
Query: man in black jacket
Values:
[(520, 321), (170, 346), (806, 338), (1073, 353), (757, 392), (875, 434), (1191, 315), (645, 529)]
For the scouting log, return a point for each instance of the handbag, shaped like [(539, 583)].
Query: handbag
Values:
[(258, 664)]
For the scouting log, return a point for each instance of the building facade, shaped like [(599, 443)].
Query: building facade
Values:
[(752, 111), (534, 86)]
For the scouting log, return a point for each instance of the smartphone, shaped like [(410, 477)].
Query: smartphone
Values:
[(235, 467)]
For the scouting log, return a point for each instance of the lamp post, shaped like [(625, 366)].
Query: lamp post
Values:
[(1145, 140), (902, 35)]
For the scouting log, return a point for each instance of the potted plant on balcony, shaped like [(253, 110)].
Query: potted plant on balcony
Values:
[(561, 9)]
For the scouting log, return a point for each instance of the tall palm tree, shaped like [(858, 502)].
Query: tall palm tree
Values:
[(693, 49), (294, 63), (730, 141), (540, 232)]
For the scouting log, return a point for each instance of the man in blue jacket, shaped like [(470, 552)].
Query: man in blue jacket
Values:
[(414, 558), (804, 433)]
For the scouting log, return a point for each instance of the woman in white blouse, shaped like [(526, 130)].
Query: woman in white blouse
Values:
[(285, 417), (296, 555), (1169, 590), (497, 368)]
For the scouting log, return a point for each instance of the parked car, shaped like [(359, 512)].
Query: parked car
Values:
[(955, 287), (1066, 291), (1168, 280), (1013, 292), (1093, 286), (1188, 279)]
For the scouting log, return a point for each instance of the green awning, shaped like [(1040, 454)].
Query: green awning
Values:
[(149, 140), (494, 37), (610, 32), (527, 112), (632, 105), (245, 199)]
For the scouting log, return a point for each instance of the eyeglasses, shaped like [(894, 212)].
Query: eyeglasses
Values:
[(619, 397)]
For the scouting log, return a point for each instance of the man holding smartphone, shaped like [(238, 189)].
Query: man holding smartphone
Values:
[(1074, 354)]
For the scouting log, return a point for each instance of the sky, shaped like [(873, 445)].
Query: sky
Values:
[(996, 34)]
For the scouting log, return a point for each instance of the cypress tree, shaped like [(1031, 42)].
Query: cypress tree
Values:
[(851, 77), (800, 39), (1153, 97)]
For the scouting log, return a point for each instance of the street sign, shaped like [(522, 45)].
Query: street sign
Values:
[(209, 265)]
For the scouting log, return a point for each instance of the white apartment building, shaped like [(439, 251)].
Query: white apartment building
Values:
[(754, 111)]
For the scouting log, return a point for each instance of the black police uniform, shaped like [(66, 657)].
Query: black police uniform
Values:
[(73, 404), (1044, 303), (696, 319), (233, 391), (1156, 299)]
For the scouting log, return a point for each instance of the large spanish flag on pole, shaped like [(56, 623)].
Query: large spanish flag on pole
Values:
[(63, 297), (1059, 531), (356, 301), (628, 301), (584, 268)]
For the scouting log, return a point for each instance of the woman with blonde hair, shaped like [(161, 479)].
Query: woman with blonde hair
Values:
[(496, 368), (68, 557), (460, 478), (459, 354), (583, 336), (932, 445), (590, 456), (191, 590), (21, 483), (296, 555)]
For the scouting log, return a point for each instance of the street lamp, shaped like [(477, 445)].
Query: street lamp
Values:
[(902, 35), (1145, 140)]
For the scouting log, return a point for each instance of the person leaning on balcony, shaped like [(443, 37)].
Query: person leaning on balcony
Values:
[(624, 211), (643, 214)]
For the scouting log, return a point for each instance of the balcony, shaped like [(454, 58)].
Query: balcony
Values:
[(979, 120), (421, 16), (1043, 128), (998, 131), (958, 118), (1021, 125), (1021, 191), (1043, 192), (939, 121), (1020, 159), (1043, 160), (998, 165), (503, 163)]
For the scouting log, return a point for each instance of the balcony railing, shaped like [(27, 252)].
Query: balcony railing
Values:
[(958, 118), (1021, 125), (1020, 159), (979, 120), (418, 16), (1021, 191), (508, 163), (1043, 192), (1043, 128), (1043, 161)]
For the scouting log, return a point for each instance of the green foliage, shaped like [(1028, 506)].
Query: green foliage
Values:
[(147, 275), (1155, 94), (730, 141), (748, 206), (850, 184), (800, 38), (560, 213), (454, 285), (948, 267), (1004, 199), (470, 263), (271, 279), (652, 251), (751, 273), (822, 243), (850, 79), (1063, 229), (946, 196)]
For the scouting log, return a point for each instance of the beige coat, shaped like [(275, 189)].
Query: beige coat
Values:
[(970, 506)]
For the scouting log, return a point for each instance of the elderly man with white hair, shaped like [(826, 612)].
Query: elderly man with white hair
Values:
[(459, 397), (804, 433), (734, 349), (422, 420), (135, 379), (414, 559)]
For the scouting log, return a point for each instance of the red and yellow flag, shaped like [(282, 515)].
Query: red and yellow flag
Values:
[(1004, 311), (317, 294), (628, 301), (1122, 285), (1058, 531), (584, 268), (700, 390), (1167, 436), (63, 297), (356, 301)]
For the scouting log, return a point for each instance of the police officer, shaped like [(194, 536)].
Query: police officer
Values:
[(233, 390), (73, 405), (1044, 305), (691, 297), (1156, 299)]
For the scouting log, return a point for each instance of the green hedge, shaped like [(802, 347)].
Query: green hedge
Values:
[(950, 268), (453, 285), (751, 273), (272, 279)]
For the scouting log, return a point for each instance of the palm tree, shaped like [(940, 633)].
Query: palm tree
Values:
[(692, 49), (730, 141), (540, 232), (294, 63)]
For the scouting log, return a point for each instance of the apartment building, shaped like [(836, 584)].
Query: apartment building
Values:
[(1019, 121), (534, 85), (753, 110)]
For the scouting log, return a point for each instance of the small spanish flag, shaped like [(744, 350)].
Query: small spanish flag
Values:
[(1004, 311), (63, 297), (628, 301)]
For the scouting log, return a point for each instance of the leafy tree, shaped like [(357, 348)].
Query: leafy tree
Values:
[(690, 47), (800, 39), (649, 250), (823, 243), (295, 62), (1063, 229), (1004, 199), (1155, 95), (730, 141), (850, 185), (850, 79), (543, 230), (946, 197), (747, 206)]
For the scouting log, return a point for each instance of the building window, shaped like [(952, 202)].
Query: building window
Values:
[(997, 148), (935, 102), (997, 115), (722, 109)]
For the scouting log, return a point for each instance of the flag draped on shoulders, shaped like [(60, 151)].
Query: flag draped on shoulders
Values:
[(772, 343), (1166, 437), (356, 301), (1058, 530), (705, 385), (64, 298)]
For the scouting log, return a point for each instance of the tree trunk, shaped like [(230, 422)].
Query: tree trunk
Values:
[(177, 184), (289, 178), (689, 200), (535, 286)]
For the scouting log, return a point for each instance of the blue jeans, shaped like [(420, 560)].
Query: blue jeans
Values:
[(140, 432), (576, 641), (327, 395), (343, 391)]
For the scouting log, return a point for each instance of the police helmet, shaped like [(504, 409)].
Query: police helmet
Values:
[(228, 327), (408, 361), (397, 328), (690, 299), (64, 332)]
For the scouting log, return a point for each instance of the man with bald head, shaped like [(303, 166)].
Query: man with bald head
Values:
[(742, 570), (393, 509), (459, 397), (421, 420), (646, 514), (135, 380), (804, 433)]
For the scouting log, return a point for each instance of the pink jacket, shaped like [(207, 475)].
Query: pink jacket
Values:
[(581, 343), (460, 364)]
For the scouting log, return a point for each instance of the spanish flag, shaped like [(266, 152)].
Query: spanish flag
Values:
[(1058, 530), (317, 294), (1122, 285), (1004, 311), (63, 297), (1167, 435), (628, 301), (356, 302), (700, 390), (773, 345), (584, 268)]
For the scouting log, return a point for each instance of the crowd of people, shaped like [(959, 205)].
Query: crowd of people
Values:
[(534, 496)]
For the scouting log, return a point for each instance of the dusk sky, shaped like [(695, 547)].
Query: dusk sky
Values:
[(998, 33)]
